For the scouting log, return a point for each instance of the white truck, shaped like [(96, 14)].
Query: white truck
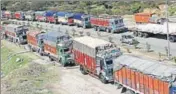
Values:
[(147, 30)]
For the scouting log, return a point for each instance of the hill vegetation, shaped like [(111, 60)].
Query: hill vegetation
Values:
[(92, 7)]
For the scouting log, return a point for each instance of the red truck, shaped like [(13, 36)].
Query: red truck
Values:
[(148, 18), (35, 41), (142, 76), (107, 23), (19, 15), (95, 56)]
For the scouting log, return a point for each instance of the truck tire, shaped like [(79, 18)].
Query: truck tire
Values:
[(140, 34), (129, 92), (103, 79), (135, 33), (172, 39), (82, 70), (50, 58), (108, 30), (84, 27), (95, 28), (145, 35), (98, 29)]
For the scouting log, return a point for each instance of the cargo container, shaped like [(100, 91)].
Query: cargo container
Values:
[(82, 20), (108, 23), (58, 46), (30, 16), (51, 16), (35, 41), (16, 33), (19, 15), (65, 18), (147, 30), (95, 57), (40, 16), (148, 18), (137, 75)]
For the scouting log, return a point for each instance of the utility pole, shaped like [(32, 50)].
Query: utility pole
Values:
[(167, 26), (0, 40)]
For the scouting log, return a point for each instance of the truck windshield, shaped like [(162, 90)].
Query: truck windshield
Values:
[(24, 37), (66, 50), (86, 19), (109, 62)]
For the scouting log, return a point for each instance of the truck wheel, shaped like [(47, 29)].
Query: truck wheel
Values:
[(103, 79), (95, 28), (82, 70), (140, 34), (84, 26), (135, 33), (129, 92), (145, 35), (172, 39), (98, 29), (77, 25), (108, 30), (50, 58)]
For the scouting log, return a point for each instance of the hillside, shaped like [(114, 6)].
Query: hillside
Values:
[(92, 7)]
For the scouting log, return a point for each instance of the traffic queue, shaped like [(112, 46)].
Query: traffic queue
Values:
[(100, 58)]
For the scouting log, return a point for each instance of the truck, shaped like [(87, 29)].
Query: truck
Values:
[(82, 20), (35, 40), (107, 23), (7, 14), (65, 18), (58, 47), (147, 30), (51, 16), (141, 18), (95, 56), (30, 15), (138, 75), (16, 33), (19, 15), (40, 16)]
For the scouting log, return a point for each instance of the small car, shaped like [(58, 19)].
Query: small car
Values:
[(128, 39)]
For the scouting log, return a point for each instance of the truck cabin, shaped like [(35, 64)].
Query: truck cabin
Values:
[(117, 23), (18, 32), (69, 18), (21, 32), (105, 56)]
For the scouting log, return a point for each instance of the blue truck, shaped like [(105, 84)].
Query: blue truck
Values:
[(82, 20)]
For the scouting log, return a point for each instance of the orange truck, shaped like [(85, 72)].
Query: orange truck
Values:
[(142, 17), (136, 75), (35, 40), (148, 18)]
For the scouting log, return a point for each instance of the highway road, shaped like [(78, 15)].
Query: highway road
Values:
[(157, 44)]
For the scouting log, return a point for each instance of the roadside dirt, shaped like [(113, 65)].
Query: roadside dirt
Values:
[(73, 82)]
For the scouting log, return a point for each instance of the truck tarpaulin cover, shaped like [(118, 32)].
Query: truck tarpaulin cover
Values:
[(40, 13), (88, 45), (157, 28), (153, 68), (78, 16), (53, 36), (62, 14), (50, 13)]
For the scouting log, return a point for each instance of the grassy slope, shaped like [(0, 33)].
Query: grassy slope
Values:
[(24, 77)]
